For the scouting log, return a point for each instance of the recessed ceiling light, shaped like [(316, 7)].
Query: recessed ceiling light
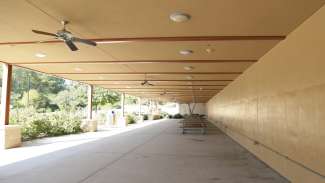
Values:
[(40, 55), (77, 69), (189, 77), (188, 68), (185, 52), (201, 88), (209, 50), (179, 17)]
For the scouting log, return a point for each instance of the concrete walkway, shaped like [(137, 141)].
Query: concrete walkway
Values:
[(152, 154)]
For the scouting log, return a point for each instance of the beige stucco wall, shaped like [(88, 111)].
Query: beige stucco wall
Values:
[(279, 103), (10, 136)]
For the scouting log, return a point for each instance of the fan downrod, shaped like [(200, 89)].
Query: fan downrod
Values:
[(64, 23)]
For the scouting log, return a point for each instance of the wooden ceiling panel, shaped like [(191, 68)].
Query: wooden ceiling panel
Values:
[(161, 82), (177, 67), (170, 50), (166, 86), (18, 18), (98, 68), (140, 77), (80, 68), (125, 18), (54, 52)]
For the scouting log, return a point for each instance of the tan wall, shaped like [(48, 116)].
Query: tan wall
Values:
[(279, 102)]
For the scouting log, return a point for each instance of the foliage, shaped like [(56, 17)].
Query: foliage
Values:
[(101, 118), (145, 117), (25, 80), (37, 125), (177, 116), (156, 117), (130, 119), (164, 115), (130, 99), (103, 96), (72, 99), (34, 98), (48, 93)]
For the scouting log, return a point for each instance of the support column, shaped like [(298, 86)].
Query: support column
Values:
[(10, 134), (139, 101), (90, 102), (6, 92), (123, 104)]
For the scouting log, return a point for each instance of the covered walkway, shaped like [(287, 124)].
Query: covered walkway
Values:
[(157, 153)]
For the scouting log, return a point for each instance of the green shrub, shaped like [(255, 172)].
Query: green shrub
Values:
[(37, 125), (130, 119), (145, 117), (177, 116), (156, 117), (164, 115)]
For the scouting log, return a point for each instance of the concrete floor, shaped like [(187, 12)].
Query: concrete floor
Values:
[(152, 154)]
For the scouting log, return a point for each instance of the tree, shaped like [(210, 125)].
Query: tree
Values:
[(25, 80), (72, 99), (35, 99), (130, 99), (103, 96)]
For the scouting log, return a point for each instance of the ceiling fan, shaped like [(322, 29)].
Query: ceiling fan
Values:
[(146, 82), (164, 93), (67, 37)]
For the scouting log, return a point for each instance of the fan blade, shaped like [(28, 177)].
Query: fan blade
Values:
[(44, 33), (85, 41), (71, 45)]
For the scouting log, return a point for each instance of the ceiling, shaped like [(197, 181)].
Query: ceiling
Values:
[(236, 32)]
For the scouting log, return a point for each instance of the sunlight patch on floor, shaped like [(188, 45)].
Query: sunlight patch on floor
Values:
[(44, 146)]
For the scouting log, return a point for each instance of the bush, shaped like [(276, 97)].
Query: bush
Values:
[(156, 117), (177, 116), (130, 119), (37, 125), (164, 115), (145, 117)]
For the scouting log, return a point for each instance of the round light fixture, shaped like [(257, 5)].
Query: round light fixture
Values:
[(40, 55), (179, 17), (188, 68), (185, 52), (77, 69), (209, 50)]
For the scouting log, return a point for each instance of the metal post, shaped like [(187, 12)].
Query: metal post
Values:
[(5, 95), (139, 101), (90, 102), (123, 104)]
